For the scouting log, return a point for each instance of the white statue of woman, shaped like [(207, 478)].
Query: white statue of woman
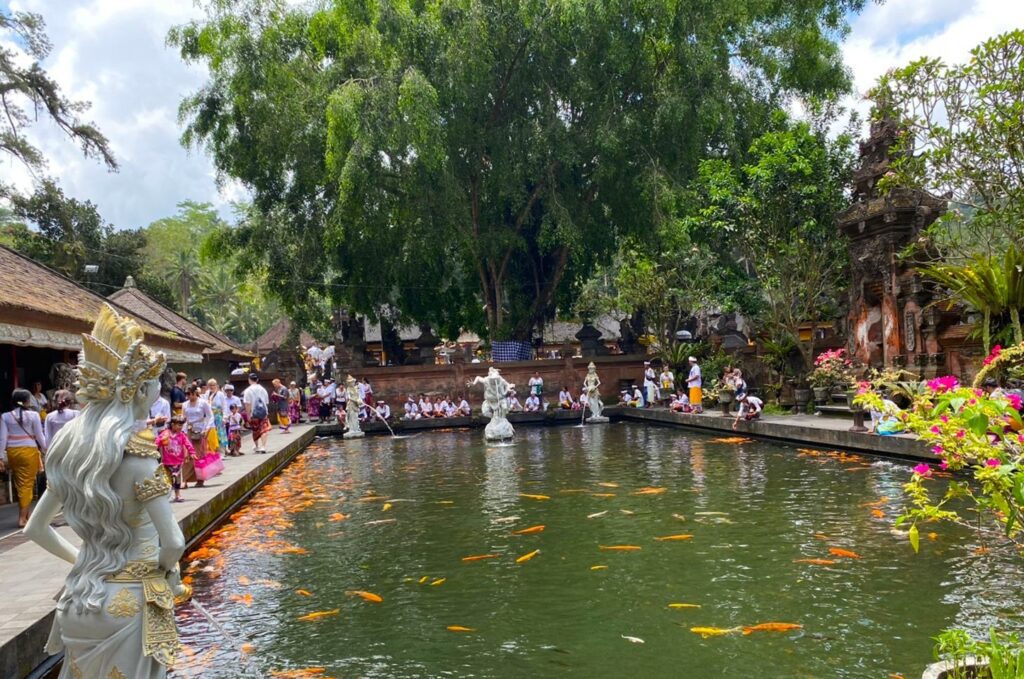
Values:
[(353, 402), (115, 616), (592, 393), (495, 405)]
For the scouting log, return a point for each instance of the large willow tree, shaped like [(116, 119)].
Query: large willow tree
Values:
[(468, 162)]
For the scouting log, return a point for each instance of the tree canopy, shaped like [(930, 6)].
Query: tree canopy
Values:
[(469, 163), (27, 93)]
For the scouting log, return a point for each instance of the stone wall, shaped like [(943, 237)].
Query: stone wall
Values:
[(394, 383)]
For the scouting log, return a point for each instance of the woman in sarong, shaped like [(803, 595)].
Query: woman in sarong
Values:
[(115, 615)]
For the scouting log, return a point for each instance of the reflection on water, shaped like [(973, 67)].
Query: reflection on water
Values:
[(397, 518)]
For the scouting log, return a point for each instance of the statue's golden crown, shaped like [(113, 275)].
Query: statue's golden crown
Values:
[(114, 362)]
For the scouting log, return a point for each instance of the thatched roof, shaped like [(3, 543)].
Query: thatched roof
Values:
[(144, 306)]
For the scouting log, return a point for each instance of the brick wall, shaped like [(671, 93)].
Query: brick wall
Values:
[(394, 383)]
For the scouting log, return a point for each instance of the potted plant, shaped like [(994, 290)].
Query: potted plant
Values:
[(832, 370), (726, 396)]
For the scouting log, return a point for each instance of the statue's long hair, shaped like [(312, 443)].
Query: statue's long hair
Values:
[(80, 462)]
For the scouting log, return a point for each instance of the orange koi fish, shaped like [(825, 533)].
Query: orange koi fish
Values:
[(816, 562), (303, 592), (714, 631), (480, 557), (386, 507), (244, 580), (684, 605), (366, 596), (459, 628), (337, 516), (772, 627), (878, 513), (674, 537), (835, 551), (933, 536), (424, 579), (306, 673), (531, 529), (242, 598), (247, 648), (291, 550), (618, 548), (599, 568), (526, 557), (534, 497), (732, 439), (877, 503), (650, 491), (605, 484), (319, 614), (439, 581), (573, 490)]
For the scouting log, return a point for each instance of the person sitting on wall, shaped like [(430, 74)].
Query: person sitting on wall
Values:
[(637, 400), (440, 407), (532, 404), (383, 411), (412, 411), (624, 398), (750, 409), (680, 402), (565, 401), (426, 407), (464, 410), (514, 406)]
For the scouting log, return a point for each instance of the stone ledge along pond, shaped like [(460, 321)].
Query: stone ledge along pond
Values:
[(354, 562)]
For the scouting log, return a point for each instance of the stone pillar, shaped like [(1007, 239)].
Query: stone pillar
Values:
[(425, 343), (590, 341)]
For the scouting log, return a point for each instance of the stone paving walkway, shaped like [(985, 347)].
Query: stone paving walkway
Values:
[(30, 577)]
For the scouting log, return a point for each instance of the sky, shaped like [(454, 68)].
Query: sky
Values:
[(113, 53)]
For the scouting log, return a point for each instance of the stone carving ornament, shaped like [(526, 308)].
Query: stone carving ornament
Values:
[(115, 615)]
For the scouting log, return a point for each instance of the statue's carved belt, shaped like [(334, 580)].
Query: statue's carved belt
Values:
[(159, 633)]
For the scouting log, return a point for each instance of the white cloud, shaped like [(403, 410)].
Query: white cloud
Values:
[(112, 53), (899, 31)]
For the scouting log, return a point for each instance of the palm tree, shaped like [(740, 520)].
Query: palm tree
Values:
[(988, 285), (183, 267)]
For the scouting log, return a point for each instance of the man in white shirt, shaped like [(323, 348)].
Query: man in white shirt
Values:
[(650, 386), (695, 384), (464, 408), (325, 392), (412, 411), (426, 407), (383, 411), (257, 409), (532, 404), (230, 399), (750, 409), (159, 414), (638, 397), (514, 406)]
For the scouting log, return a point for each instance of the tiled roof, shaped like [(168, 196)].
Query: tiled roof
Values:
[(274, 337), (144, 306), (34, 290)]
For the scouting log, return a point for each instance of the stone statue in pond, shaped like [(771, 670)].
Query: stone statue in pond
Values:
[(115, 615), (353, 403), (495, 405), (592, 393)]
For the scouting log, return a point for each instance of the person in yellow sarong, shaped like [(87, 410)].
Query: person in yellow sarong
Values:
[(22, 446), (695, 383)]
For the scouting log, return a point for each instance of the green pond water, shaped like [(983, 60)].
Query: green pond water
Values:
[(753, 510)]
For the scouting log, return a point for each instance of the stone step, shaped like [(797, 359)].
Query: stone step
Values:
[(836, 411)]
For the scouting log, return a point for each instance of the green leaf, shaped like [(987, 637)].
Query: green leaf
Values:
[(915, 538), (978, 424), (1018, 489)]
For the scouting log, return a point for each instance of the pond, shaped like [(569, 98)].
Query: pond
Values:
[(779, 535)]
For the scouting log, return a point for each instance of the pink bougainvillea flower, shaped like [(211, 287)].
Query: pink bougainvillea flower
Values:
[(944, 419), (1014, 399), (961, 433), (937, 450), (993, 355), (1020, 438), (943, 465), (935, 429), (923, 470), (943, 384), (992, 462)]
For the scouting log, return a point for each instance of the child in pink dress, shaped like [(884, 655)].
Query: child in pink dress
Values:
[(175, 448)]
